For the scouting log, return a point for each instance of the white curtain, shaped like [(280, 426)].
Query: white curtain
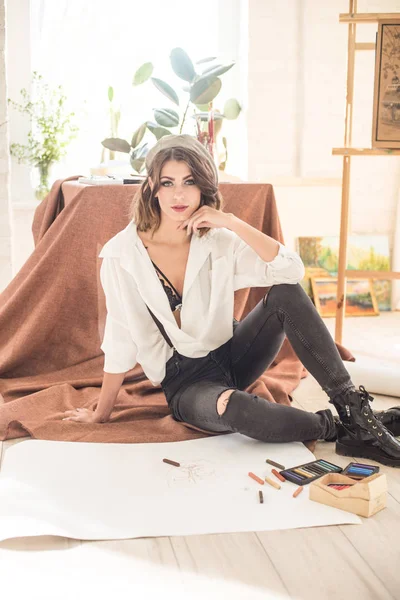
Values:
[(88, 45)]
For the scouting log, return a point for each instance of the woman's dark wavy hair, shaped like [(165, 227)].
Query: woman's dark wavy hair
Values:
[(145, 209)]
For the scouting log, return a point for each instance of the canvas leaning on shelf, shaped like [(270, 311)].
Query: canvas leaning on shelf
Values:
[(366, 252), (360, 297)]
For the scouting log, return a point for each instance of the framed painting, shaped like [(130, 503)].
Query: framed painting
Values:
[(365, 252), (386, 112), (360, 297)]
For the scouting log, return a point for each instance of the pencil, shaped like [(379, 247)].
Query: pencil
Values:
[(256, 478), (298, 491), (171, 462), (275, 464), (273, 483), (278, 475)]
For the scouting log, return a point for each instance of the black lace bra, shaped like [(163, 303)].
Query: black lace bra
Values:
[(174, 298)]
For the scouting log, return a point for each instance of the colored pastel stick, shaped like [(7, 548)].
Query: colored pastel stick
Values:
[(327, 465), (275, 464), (295, 476), (171, 462), (256, 478), (278, 475), (299, 475), (308, 475), (359, 471), (261, 497), (297, 492), (317, 470), (273, 483)]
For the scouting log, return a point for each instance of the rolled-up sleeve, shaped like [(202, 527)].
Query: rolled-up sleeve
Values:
[(252, 271), (118, 346)]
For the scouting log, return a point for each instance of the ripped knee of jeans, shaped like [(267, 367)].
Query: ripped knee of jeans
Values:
[(223, 401)]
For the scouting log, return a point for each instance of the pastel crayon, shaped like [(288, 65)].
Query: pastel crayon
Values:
[(309, 470), (294, 471), (171, 462), (297, 492), (275, 464), (327, 465), (316, 469), (278, 475), (295, 476), (273, 483), (261, 497), (301, 472), (360, 470), (256, 478)]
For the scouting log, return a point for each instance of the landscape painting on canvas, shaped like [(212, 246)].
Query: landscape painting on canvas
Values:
[(368, 252), (360, 297)]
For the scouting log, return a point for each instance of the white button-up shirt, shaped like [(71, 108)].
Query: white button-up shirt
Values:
[(218, 264)]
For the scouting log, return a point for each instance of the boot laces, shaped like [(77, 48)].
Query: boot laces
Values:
[(367, 411)]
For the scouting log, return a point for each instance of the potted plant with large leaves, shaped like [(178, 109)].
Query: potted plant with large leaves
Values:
[(202, 89)]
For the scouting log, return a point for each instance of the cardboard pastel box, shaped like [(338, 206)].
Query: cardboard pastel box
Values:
[(365, 497)]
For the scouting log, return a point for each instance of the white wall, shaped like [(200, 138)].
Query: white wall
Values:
[(5, 212), (297, 63), (291, 79)]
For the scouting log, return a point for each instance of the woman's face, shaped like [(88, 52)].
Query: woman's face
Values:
[(178, 195)]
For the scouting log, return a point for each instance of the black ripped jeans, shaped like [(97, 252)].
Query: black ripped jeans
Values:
[(193, 385)]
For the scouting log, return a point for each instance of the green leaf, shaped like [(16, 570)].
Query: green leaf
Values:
[(232, 108), (182, 64), (110, 93), (166, 89), (138, 135), (217, 69), (205, 90), (137, 164), (143, 73), (140, 152), (158, 132), (204, 60), (166, 117), (116, 144)]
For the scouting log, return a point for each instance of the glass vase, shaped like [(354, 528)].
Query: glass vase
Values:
[(40, 180)]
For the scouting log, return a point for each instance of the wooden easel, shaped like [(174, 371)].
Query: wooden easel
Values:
[(347, 152)]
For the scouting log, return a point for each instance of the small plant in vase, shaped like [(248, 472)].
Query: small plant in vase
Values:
[(52, 129)]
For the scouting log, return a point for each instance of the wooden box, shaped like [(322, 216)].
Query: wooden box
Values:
[(365, 497)]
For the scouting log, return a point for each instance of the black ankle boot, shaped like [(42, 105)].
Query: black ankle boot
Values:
[(390, 418), (362, 434)]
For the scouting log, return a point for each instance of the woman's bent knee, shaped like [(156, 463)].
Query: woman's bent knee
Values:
[(223, 401)]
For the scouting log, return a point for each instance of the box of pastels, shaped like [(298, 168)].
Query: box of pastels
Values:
[(364, 497)]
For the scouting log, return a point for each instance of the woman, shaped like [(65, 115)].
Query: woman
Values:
[(169, 279)]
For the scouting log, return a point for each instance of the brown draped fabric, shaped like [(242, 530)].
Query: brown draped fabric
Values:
[(52, 318)]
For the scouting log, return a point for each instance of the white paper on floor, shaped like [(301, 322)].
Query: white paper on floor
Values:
[(377, 375), (96, 491)]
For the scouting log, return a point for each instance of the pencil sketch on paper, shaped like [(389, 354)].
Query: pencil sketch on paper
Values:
[(192, 472)]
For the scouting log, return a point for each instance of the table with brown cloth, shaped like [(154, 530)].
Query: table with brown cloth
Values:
[(52, 319)]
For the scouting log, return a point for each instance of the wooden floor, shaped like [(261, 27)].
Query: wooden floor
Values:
[(343, 562)]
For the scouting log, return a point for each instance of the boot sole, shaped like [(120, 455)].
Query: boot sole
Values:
[(363, 452)]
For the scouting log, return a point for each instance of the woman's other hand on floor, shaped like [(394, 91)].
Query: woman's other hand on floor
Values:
[(81, 415)]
